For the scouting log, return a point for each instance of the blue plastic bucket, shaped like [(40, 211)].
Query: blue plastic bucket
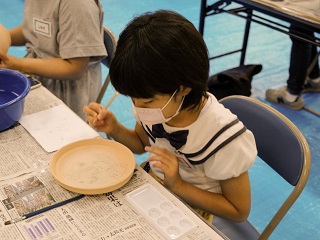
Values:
[(14, 87)]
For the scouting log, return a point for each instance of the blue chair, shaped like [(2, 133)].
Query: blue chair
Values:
[(110, 42), (282, 146)]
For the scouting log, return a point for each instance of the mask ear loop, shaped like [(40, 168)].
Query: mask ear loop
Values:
[(177, 112), (169, 100)]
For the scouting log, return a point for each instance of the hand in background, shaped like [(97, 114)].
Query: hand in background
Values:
[(9, 61)]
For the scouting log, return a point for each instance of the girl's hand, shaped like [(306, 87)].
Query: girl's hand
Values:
[(168, 163), (100, 118)]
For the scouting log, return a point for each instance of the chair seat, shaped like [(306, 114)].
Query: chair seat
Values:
[(235, 230)]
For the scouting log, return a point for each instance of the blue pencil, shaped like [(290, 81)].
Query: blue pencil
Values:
[(29, 215)]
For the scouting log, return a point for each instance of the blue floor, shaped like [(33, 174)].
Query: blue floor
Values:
[(266, 47)]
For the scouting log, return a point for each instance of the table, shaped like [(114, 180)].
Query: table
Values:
[(24, 177), (303, 13)]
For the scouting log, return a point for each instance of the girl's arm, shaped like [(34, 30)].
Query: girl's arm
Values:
[(135, 139), (56, 68), (233, 203), (105, 121), (5, 39)]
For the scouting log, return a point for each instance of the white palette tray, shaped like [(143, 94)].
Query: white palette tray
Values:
[(166, 217)]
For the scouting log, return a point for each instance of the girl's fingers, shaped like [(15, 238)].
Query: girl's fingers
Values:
[(95, 106), (157, 150), (162, 156)]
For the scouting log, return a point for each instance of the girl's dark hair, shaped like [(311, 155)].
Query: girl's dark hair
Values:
[(156, 54)]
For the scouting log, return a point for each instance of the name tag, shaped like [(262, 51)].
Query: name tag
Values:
[(184, 161), (42, 27)]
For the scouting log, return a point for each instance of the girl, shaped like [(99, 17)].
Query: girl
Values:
[(199, 149)]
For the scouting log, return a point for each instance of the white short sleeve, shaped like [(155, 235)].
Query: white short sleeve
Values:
[(233, 159)]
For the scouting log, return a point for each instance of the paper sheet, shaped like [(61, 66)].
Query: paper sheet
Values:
[(56, 127)]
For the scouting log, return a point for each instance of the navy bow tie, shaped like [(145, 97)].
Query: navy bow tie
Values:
[(177, 139)]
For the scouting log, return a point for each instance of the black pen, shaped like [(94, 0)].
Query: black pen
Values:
[(29, 215)]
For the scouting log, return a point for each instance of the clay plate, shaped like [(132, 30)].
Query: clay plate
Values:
[(92, 166)]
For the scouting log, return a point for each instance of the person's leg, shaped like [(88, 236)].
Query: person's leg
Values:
[(312, 83), (300, 56), (300, 59), (315, 72)]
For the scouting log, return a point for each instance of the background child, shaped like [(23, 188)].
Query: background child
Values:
[(199, 149), (64, 41)]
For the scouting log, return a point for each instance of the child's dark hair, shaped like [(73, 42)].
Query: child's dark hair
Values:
[(156, 54)]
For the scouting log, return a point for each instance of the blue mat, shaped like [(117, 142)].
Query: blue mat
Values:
[(267, 47)]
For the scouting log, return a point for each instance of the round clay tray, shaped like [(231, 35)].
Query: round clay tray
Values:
[(92, 166)]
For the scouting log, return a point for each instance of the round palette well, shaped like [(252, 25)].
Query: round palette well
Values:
[(92, 166)]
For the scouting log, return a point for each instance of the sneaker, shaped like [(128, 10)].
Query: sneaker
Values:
[(277, 96), (311, 85)]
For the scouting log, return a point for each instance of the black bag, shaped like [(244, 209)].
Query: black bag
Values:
[(235, 81)]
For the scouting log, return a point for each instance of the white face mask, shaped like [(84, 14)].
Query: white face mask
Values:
[(151, 116)]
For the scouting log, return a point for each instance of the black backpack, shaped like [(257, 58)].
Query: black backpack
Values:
[(235, 81)]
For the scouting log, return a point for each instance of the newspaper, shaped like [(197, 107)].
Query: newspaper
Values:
[(20, 153), (308, 10), (31, 192), (40, 99), (98, 217), (26, 186)]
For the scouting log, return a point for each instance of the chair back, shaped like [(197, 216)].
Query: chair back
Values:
[(110, 43), (279, 143)]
